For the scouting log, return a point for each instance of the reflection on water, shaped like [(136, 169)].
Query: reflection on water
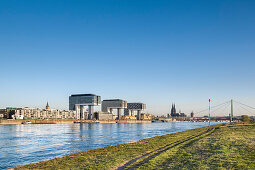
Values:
[(23, 144)]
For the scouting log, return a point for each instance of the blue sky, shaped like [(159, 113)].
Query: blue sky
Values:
[(156, 52)]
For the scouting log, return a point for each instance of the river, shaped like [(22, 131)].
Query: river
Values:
[(23, 144)]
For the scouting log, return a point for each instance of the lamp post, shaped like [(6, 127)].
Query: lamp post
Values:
[(209, 112)]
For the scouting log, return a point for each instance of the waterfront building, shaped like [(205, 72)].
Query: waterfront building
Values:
[(3, 113), (7, 113), (77, 111), (138, 107), (109, 105), (78, 101), (146, 116), (103, 116), (127, 117), (36, 113)]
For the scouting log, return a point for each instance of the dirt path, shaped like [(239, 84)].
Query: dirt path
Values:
[(153, 154)]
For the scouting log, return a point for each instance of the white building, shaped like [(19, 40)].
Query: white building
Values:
[(32, 113)]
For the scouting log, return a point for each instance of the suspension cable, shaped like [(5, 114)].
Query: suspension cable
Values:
[(244, 104), (246, 110), (223, 106), (213, 107)]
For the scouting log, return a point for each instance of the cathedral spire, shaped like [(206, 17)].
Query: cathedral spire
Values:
[(47, 106)]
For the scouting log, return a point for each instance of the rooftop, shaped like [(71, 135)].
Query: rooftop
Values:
[(114, 100), (83, 95)]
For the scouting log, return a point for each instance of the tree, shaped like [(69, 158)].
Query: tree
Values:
[(245, 118)]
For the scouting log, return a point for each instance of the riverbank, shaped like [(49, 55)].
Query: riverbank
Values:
[(220, 146)]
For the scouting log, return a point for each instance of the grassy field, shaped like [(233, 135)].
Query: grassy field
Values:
[(229, 146)]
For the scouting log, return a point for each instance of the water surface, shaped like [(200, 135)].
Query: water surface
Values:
[(23, 144)]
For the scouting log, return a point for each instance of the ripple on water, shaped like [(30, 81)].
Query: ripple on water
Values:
[(23, 144)]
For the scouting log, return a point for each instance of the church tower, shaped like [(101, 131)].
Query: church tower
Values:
[(173, 111), (47, 106)]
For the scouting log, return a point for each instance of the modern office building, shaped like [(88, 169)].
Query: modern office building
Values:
[(78, 101), (109, 105), (138, 107)]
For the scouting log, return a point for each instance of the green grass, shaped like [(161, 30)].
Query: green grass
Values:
[(229, 147), (225, 147)]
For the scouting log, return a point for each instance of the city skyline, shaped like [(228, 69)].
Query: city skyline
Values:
[(141, 51)]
